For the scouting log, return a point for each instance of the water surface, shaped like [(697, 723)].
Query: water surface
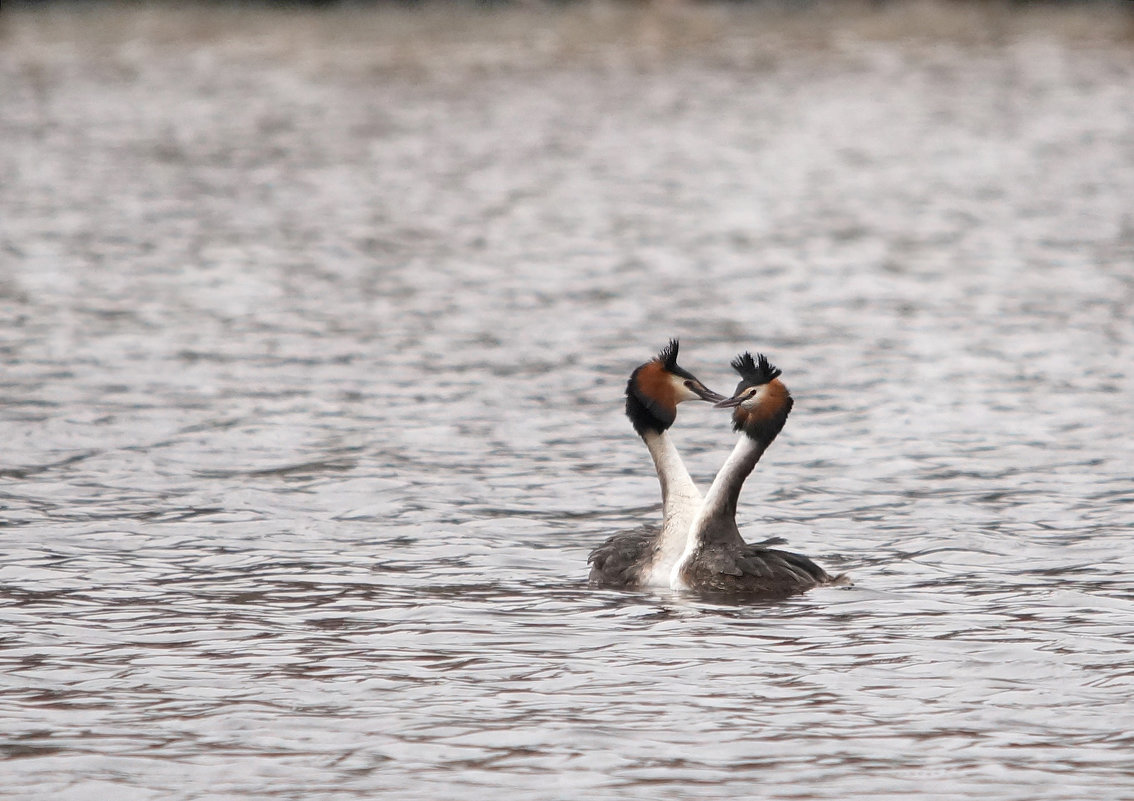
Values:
[(315, 328)]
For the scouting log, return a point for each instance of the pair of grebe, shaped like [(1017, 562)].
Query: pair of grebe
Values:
[(699, 547)]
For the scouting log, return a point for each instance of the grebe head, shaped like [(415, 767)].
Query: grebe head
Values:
[(656, 387), (761, 403)]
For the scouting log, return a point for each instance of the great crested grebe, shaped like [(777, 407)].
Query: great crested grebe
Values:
[(647, 558), (716, 559)]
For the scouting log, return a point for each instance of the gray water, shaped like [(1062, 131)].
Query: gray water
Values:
[(315, 328)]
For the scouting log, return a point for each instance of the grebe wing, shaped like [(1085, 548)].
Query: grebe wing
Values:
[(615, 563), (761, 561), (754, 571), (769, 541)]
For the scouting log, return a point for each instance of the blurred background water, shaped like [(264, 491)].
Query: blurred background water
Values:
[(314, 331)]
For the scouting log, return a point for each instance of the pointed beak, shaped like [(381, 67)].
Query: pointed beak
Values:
[(706, 394), (728, 403)]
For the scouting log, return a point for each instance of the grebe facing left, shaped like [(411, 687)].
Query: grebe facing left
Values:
[(717, 560), (646, 558)]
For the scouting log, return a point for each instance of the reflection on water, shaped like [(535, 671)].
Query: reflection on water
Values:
[(315, 328)]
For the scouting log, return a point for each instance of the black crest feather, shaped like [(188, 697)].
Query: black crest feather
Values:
[(755, 372), (668, 358)]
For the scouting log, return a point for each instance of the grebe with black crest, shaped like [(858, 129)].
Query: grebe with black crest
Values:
[(716, 559), (646, 558)]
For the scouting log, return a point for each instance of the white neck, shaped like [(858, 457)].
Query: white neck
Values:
[(680, 501), (715, 521), (676, 484)]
